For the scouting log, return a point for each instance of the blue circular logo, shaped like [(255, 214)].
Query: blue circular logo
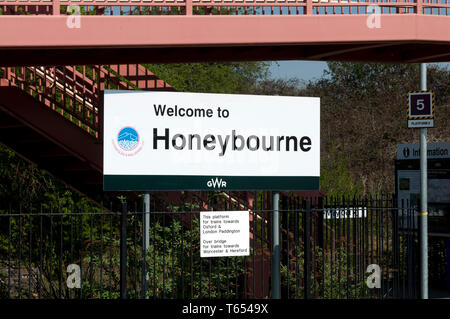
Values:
[(128, 138)]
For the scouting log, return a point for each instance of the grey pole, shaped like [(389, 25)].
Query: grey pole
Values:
[(145, 243), (123, 252), (276, 290), (423, 213), (307, 241)]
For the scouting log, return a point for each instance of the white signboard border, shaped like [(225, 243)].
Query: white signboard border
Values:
[(132, 163)]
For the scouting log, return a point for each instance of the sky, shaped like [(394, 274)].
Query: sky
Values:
[(305, 70)]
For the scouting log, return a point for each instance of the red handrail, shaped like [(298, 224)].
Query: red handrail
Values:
[(75, 91)]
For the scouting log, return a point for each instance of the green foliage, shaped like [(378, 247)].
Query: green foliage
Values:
[(335, 178), (329, 280), (112, 85), (45, 244), (363, 117), (230, 77), (173, 262), (283, 87), (366, 81), (20, 180)]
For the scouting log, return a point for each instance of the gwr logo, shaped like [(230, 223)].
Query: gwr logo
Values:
[(216, 183)]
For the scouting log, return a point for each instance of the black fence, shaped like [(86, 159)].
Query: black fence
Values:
[(327, 245)]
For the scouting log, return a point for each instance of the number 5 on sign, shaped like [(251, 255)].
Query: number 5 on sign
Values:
[(420, 105)]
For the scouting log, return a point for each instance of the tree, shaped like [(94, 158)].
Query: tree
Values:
[(363, 119), (286, 87), (363, 116), (230, 77)]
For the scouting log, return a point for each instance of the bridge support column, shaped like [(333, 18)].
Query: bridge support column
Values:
[(275, 276)]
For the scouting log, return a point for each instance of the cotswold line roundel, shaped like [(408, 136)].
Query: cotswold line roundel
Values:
[(128, 138)]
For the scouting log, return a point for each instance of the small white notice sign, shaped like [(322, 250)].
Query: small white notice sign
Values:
[(224, 233)]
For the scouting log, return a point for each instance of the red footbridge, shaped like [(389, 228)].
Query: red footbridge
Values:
[(45, 32), (57, 57)]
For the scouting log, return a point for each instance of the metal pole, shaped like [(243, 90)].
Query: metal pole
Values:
[(307, 242), (123, 252), (423, 213), (276, 290), (145, 243), (447, 247)]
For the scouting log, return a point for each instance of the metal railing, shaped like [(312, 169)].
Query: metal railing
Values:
[(234, 7), (75, 92), (40, 246)]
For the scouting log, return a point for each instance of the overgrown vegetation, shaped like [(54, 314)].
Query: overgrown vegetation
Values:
[(329, 280), (91, 241), (363, 118), (240, 77)]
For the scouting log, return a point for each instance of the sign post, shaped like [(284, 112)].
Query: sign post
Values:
[(423, 218), (145, 244), (421, 115), (276, 285)]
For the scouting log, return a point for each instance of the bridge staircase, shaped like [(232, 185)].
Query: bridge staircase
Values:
[(51, 116)]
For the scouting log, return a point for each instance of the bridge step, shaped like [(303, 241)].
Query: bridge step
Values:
[(61, 135), (54, 144)]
